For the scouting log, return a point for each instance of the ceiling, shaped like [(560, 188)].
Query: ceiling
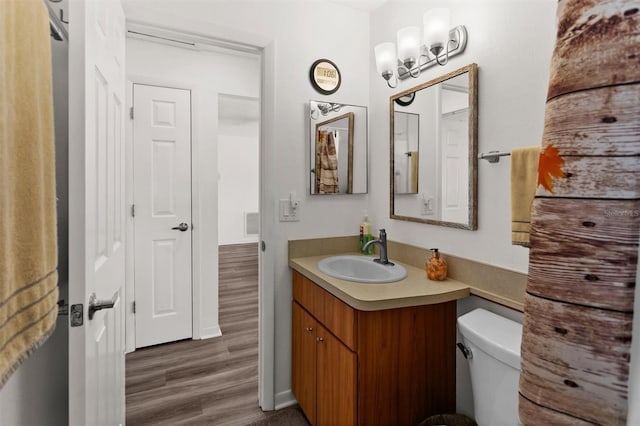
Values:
[(367, 5)]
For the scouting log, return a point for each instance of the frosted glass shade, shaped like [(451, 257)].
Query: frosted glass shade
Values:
[(436, 26), (409, 43), (385, 57)]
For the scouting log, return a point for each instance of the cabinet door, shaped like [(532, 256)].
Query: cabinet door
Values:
[(303, 370), (336, 381)]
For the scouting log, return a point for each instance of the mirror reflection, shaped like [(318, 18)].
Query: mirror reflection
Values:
[(434, 150), (338, 147), (406, 134)]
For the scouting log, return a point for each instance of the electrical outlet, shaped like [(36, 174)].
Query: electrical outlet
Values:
[(426, 206)]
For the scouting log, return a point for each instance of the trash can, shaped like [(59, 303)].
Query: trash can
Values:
[(448, 420)]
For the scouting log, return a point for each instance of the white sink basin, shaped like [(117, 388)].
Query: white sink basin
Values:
[(361, 269)]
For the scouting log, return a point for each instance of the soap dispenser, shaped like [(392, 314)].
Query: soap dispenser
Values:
[(365, 236), (436, 267)]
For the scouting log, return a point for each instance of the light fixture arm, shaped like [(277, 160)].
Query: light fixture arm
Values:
[(458, 42), (387, 76)]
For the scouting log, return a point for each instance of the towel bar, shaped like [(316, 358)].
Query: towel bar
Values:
[(493, 156), (63, 307)]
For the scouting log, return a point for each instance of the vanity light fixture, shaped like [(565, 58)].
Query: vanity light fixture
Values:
[(438, 44), (325, 108)]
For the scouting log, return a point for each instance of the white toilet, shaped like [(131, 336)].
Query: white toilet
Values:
[(494, 363)]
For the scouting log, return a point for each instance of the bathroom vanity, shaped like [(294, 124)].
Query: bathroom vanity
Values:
[(372, 353)]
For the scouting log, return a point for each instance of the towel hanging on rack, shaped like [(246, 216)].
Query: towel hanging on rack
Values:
[(28, 245), (524, 173)]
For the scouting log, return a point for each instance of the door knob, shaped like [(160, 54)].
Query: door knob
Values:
[(182, 227), (98, 305)]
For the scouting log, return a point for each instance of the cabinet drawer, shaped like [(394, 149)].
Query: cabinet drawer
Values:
[(304, 292), (338, 317)]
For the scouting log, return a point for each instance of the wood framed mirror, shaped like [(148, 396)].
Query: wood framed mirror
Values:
[(338, 148), (434, 150)]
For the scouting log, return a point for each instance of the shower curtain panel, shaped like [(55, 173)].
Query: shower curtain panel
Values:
[(578, 313)]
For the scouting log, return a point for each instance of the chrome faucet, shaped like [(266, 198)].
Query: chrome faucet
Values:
[(382, 243)]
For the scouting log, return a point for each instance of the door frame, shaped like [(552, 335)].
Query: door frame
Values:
[(266, 49)]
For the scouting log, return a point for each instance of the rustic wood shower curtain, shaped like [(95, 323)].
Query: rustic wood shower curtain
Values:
[(585, 222)]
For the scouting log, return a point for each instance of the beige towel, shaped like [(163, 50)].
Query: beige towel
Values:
[(28, 247), (524, 173), (414, 172), (328, 182)]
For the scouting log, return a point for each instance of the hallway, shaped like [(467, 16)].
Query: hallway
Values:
[(213, 381)]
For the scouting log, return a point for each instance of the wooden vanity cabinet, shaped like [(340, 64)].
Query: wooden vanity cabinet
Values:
[(324, 369), (393, 366)]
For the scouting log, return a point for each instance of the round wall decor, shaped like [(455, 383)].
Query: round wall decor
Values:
[(406, 100), (325, 76)]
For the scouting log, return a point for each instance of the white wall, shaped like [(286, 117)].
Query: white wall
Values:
[(207, 75), (238, 168), (511, 41), (36, 394)]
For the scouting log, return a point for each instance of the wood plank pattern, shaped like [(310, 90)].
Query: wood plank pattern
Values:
[(545, 416), (601, 121), (589, 257), (598, 45), (585, 230), (598, 177), (205, 382), (568, 383)]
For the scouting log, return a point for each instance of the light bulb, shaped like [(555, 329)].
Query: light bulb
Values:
[(385, 58), (436, 28), (409, 45)]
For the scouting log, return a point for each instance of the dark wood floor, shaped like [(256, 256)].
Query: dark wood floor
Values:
[(205, 382)]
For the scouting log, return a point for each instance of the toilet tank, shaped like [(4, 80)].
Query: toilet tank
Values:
[(495, 366)]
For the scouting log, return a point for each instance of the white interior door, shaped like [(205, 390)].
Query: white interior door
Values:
[(96, 212), (162, 221), (455, 172)]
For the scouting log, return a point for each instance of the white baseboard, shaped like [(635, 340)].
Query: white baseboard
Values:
[(285, 399), (209, 332)]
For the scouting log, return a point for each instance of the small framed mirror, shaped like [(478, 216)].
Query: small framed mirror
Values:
[(338, 147), (434, 145)]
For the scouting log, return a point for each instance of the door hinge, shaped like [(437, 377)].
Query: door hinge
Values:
[(134, 306), (131, 113), (133, 210)]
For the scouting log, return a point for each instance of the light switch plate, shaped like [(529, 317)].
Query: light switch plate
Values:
[(287, 213)]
